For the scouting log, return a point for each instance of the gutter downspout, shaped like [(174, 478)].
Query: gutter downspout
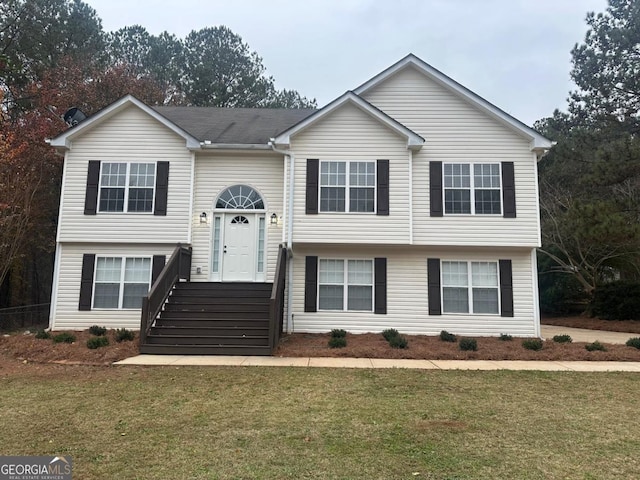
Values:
[(289, 220)]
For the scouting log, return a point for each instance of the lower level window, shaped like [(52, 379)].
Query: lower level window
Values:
[(121, 282), (345, 285), (470, 287)]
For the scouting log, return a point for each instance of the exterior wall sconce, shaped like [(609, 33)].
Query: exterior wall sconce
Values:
[(274, 219), (203, 217)]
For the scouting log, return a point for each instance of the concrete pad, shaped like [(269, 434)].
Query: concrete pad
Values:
[(150, 360), (465, 364), (335, 362), (584, 335), (540, 365), (276, 361), (212, 360), (602, 366), (403, 363)]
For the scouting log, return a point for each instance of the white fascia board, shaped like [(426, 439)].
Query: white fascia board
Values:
[(414, 141), (64, 139), (537, 141)]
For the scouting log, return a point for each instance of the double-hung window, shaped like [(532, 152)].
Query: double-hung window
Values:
[(470, 287), (345, 285), (121, 282), (127, 187), (472, 188), (347, 187)]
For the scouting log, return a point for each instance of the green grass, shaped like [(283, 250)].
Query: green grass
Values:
[(254, 423)]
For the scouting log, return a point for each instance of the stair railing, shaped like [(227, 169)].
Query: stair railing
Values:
[(177, 268), (276, 302)]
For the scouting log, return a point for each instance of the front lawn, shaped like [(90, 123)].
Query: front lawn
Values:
[(254, 423)]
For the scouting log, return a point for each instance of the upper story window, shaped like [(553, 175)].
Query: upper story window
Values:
[(121, 282), (127, 187), (241, 197), (347, 187), (472, 188)]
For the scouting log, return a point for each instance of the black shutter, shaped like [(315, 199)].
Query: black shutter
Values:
[(86, 281), (506, 289), (313, 171), (310, 284), (435, 188), (433, 282), (383, 187), (158, 265), (91, 193), (508, 190), (380, 294), (162, 188)]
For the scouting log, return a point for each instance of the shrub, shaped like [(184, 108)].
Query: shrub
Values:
[(562, 339), (398, 342), (337, 342), (447, 337), (617, 301), (389, 333), (633, 342), (595, 346), (97, 330), (97, 342), (122, 335), (42, 334), (532, 344), (505, 337), (338, 333), (64, 337), (468, 344)]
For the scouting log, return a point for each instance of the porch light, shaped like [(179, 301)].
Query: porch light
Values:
[(203, 217), (274, 219)]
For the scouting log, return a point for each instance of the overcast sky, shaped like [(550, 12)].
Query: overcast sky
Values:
[(514, 53)]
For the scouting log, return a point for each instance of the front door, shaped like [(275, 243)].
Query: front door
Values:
[(239, 248)]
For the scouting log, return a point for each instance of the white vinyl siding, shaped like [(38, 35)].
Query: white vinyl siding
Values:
[(132, 135), (407, 293), (457, 132)]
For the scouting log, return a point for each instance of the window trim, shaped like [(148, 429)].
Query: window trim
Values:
[(345, 285), (472, 189), (347, 187), (121, 281), (125, 209), (470, 286)]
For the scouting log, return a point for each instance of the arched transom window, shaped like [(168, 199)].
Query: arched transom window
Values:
[(240, 197)]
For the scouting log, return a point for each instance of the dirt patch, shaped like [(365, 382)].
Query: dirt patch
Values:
[(627, 326), (373, 345)]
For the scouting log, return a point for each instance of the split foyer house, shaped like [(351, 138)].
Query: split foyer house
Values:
[(408, 203)]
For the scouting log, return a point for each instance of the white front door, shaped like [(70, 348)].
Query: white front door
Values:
[(239, 248)]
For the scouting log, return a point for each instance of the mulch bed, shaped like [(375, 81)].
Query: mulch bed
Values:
[(629, 326)]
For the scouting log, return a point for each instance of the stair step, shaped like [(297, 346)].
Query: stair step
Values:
[(260, 340), (204, 322), (184, 299), (224, 287), (216, 308), (204, 350), (205, 331)]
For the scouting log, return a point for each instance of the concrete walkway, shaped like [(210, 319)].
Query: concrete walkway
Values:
[(584, 335)]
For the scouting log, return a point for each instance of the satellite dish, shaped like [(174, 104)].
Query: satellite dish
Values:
[(73, 117)]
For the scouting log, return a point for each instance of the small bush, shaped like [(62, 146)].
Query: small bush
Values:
[(617, 301), (505, 337), (337, 342), (562, 339), (468, 344), (447, 337), (42, 334), (398, 342), (97, 342), (532, 344), (64, 337), (97, 330), (338, 333), (633, 342), (595, 346), (124, 335), (389, 333)]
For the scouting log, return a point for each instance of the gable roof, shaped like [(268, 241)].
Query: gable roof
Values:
[(414, 141), (538, 142)]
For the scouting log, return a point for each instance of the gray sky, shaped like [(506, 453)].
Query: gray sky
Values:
[(514, 53)]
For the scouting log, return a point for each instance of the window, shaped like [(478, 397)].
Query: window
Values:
[(345, 283), (240, 197), (127, 187), (460, 183), (121, 282), (347, 186), (466, 284)]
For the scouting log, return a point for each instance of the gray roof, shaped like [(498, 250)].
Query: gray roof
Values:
[(234, 125)]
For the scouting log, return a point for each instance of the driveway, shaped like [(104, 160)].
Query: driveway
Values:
[(584, 335)]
